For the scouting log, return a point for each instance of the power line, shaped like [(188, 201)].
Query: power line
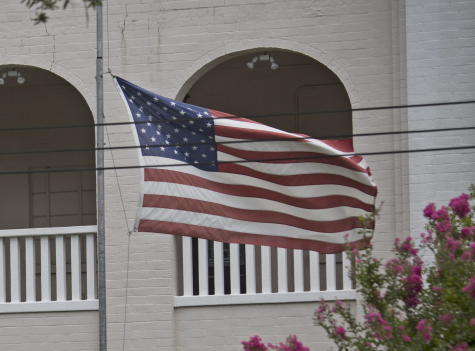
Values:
[(343, 136), (373, 108), (376, 153)]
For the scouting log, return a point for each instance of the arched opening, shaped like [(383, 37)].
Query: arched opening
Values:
[(283, 89), (289, 91), (29, 98)]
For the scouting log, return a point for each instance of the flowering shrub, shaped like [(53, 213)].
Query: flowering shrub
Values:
[(408, 304), (291, 344)]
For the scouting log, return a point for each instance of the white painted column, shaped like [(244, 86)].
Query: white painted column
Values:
[(75, 268), (282, 282), (30, 269), (203, 266), (298, 270), (250, 269), (187, 266), (60, 268), (314, 263), (15, 278), (331, 271), (234, 268), (266, 270), (218, 268), (46, 268)]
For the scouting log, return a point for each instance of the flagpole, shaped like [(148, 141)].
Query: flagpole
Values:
[(101, 257)]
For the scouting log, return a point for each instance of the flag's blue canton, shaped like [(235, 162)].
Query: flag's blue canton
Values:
[(172, 129)]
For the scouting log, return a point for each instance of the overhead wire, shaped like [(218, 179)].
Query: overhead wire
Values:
[(332, 137), (375, 153), (256, 117)]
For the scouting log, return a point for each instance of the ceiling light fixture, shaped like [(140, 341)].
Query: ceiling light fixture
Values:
[(263, 57), (12, 74)]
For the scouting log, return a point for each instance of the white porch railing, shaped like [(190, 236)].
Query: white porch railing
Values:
[(48, 269), (213, 273)]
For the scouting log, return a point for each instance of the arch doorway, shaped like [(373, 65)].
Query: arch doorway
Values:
[(286, 90), (290, 91), (31, 97)]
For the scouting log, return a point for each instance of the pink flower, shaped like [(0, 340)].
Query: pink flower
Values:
[(254, 344), (442, 214), (460, 205), (446, 318), (443, 226), (429, 210), (472, 322), (406, 338), (427, 238), (466, 256), (470, 287), (453, 244), (291, 344), (413, 284), (425, 330), (406, 246), (394, 265), (340, 331), (467, 231), (460, 347)]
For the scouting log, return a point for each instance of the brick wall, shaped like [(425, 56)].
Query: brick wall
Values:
[(164, 46)]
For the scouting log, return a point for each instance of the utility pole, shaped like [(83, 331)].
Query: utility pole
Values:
[(101, 252)]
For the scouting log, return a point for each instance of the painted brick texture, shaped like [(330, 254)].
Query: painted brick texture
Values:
[(161, 45)]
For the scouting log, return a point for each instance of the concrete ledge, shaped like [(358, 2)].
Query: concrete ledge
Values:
[(214, 300), (49, 306)]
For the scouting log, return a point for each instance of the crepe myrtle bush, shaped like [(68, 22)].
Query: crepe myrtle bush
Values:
[(423, 298)]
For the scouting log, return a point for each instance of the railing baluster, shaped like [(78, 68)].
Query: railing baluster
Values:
[(3, 273), (45, 269), (30, 269), (187, 266), (331, 271), (15, 278), (203, 266), (26, 269), (90, 267), (266, 270), (234, 263), (75, 268), (298, 270), (346, 264), (282, 270), (218, 268), (60, 268), (250, 269), (314, 263)]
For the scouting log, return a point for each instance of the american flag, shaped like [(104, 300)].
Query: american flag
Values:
[(211, 175)]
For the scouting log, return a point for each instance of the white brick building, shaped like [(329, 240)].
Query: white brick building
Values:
[(333, 55)]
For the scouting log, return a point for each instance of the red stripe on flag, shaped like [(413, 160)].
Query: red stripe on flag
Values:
[(296, 180), (257, 216), (343, 145), (291, 157), (228, 236), (316, 203), (220, 114)]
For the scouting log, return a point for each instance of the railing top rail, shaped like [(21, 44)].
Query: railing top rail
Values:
[(84, 229)]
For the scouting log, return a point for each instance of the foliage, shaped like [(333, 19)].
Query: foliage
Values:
[(291, 344), (409, 304), (421, 299), (41, 7)]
